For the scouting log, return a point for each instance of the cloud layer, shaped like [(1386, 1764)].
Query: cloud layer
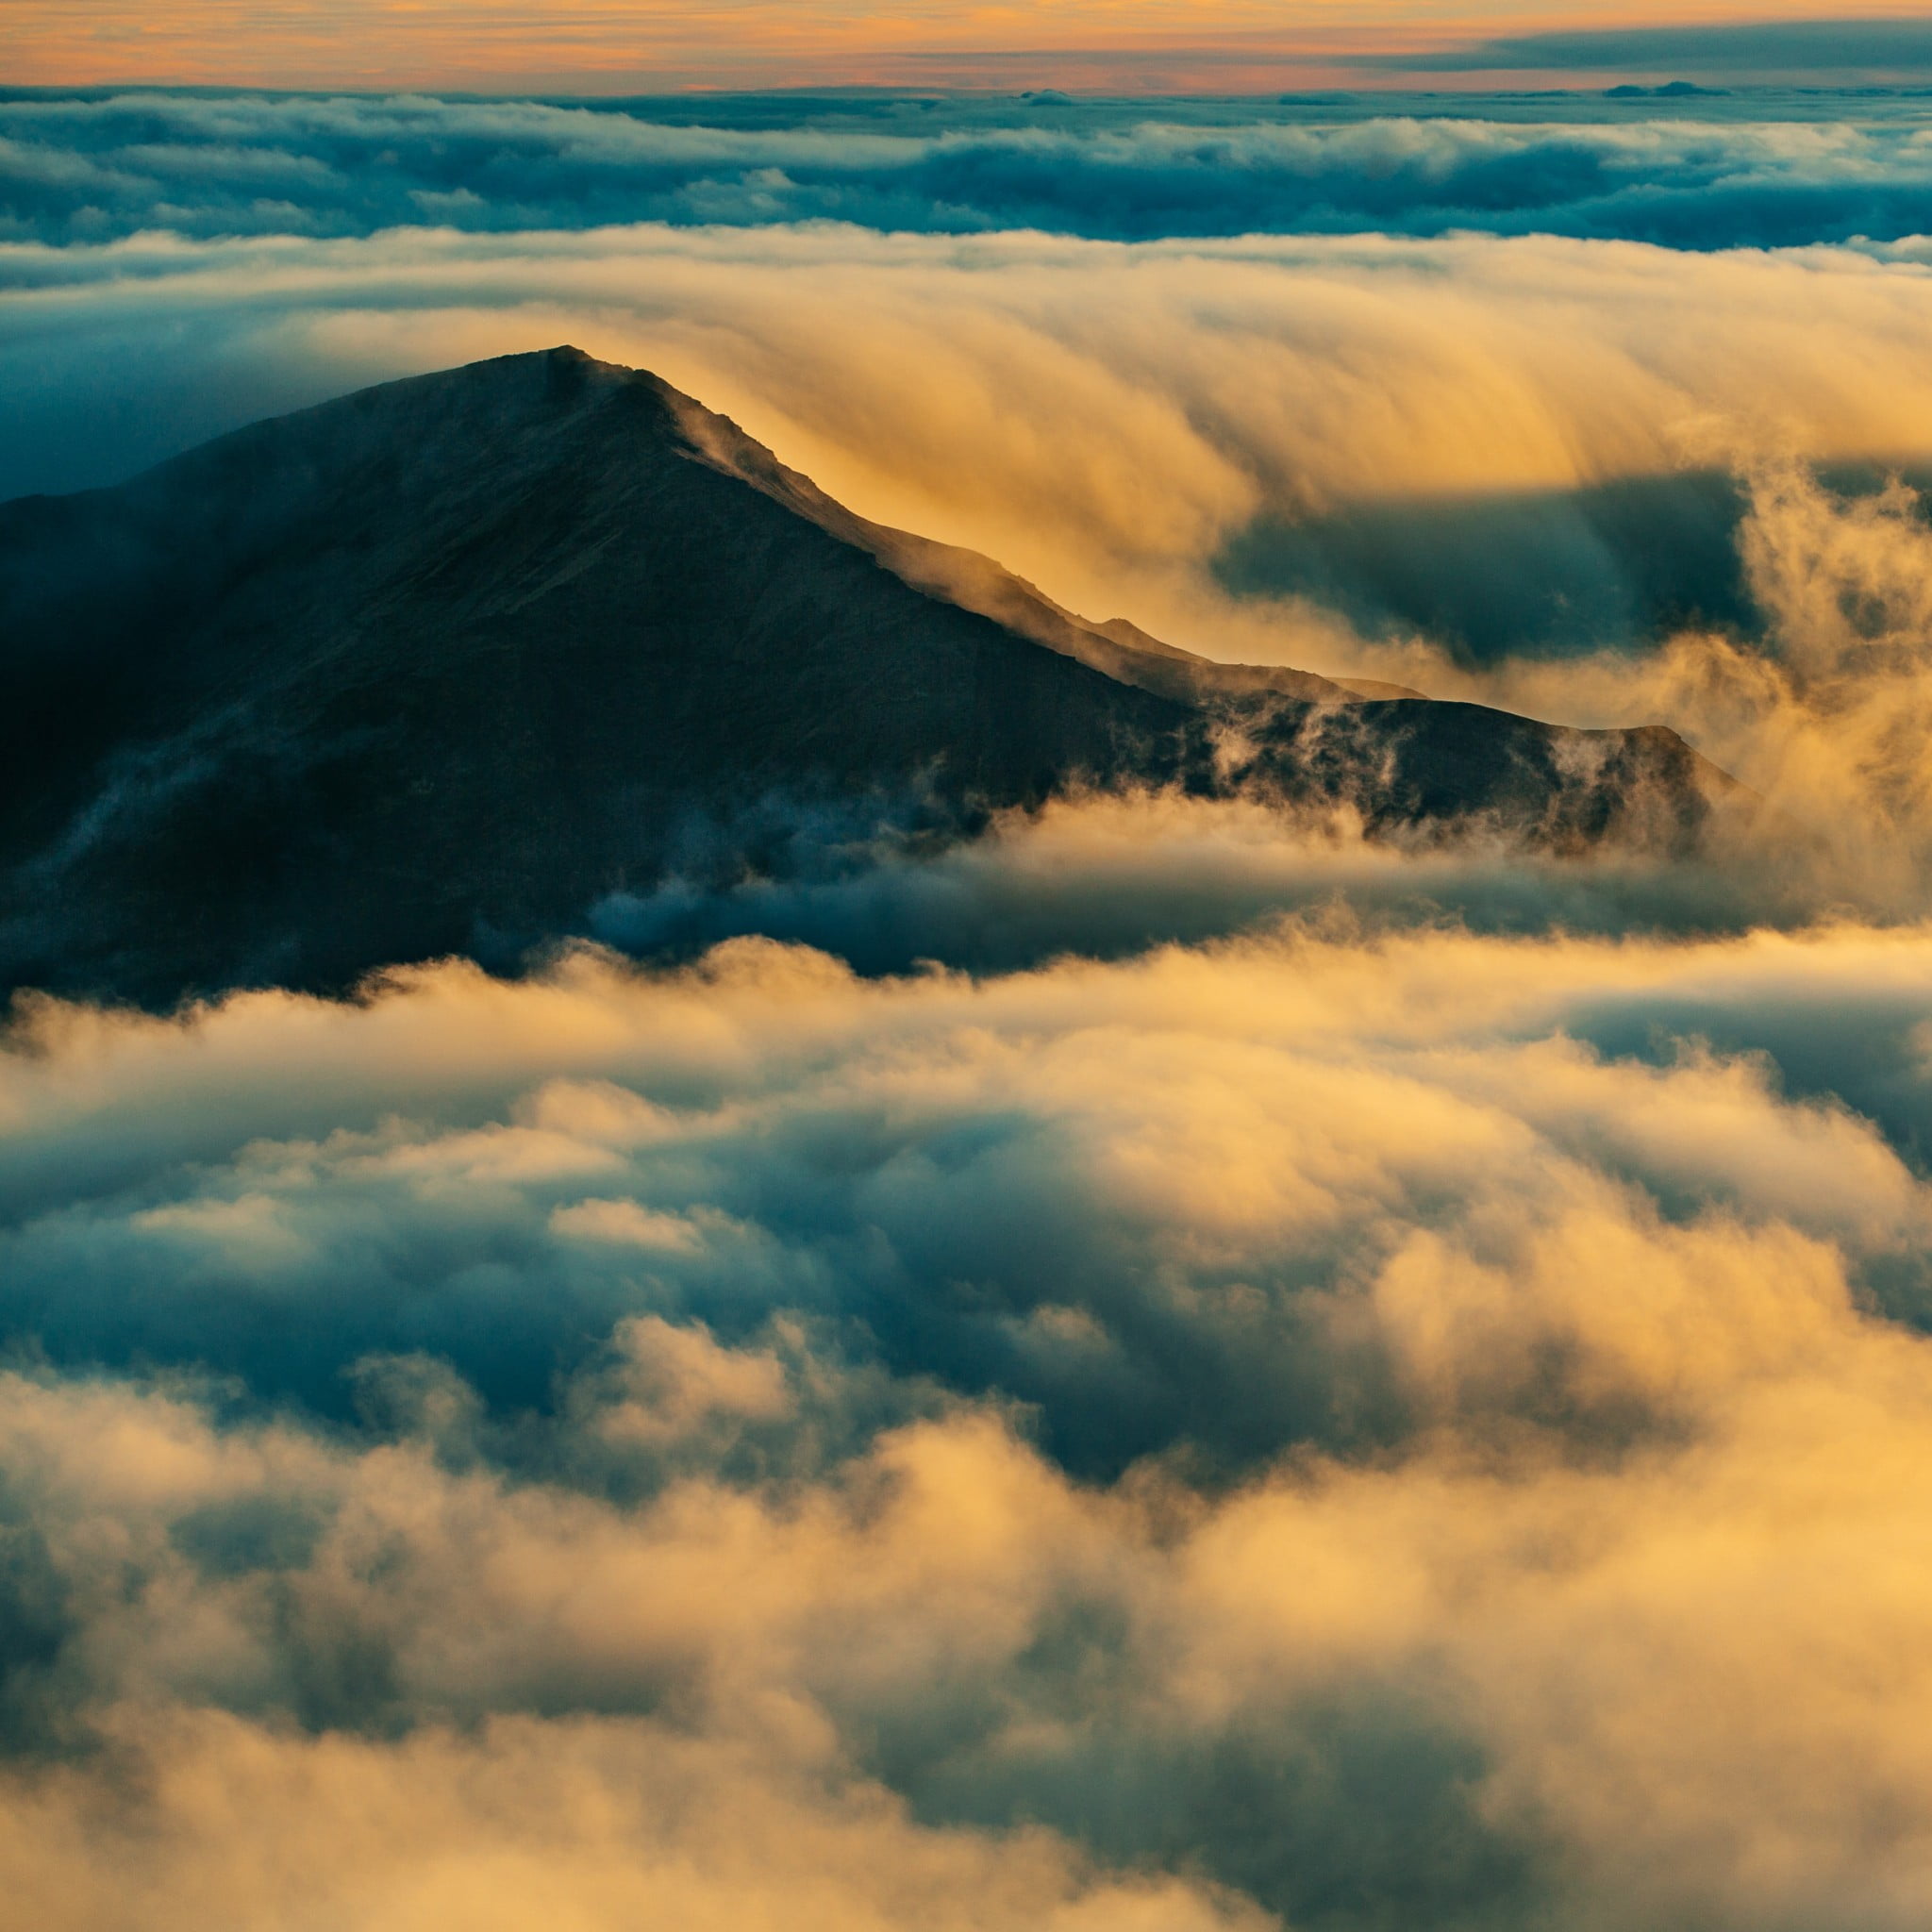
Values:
[(1292, 1429), (1757, 48), (93, 168)]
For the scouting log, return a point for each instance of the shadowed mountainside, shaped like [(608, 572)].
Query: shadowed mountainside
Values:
[(435, 667)]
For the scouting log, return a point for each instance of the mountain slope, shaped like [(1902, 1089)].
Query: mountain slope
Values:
[(434, 667)]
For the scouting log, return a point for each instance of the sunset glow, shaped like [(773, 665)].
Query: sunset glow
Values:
[(1132, 46)]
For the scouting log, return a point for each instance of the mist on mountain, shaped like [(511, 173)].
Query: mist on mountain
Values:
[(442, 667)]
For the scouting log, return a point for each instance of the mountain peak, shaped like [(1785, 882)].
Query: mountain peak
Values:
[(436, 666)]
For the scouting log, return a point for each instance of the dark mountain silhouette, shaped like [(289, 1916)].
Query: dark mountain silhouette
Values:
[(435, 667)]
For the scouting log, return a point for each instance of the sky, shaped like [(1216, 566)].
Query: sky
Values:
[(1132, 46), (1169, 1368)]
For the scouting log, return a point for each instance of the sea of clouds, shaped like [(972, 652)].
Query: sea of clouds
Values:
[(1348, 1427), (1165, 1371), (1705, 175)]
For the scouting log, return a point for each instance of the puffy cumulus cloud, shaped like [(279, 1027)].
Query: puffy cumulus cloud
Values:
[(1282, 1432), (585, 1823), (1137, 1196), (1825, 715), (93, 168)]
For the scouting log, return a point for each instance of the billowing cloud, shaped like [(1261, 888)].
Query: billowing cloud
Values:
[(496, 1174), (1513, 470), (1277, 1432)]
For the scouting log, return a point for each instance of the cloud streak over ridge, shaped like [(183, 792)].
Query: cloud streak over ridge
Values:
[(1483, 467)]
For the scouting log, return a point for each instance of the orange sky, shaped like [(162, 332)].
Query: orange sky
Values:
[(618, 45)]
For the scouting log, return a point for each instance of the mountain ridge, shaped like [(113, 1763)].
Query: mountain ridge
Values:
[(435, 666)]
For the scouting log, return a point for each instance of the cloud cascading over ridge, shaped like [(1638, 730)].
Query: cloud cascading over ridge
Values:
[(1569, 477), (1264, 375)]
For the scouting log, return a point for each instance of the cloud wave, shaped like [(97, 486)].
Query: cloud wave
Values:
[(1574, 479)]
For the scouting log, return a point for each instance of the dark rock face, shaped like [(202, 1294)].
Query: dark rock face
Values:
[(433, 668)]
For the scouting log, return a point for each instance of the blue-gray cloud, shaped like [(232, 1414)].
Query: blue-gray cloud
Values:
[(1800, 49), (937, 1178), (93, 168)]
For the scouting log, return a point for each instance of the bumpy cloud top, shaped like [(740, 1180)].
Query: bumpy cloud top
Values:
[(1329, 1417), (1707, 174)]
